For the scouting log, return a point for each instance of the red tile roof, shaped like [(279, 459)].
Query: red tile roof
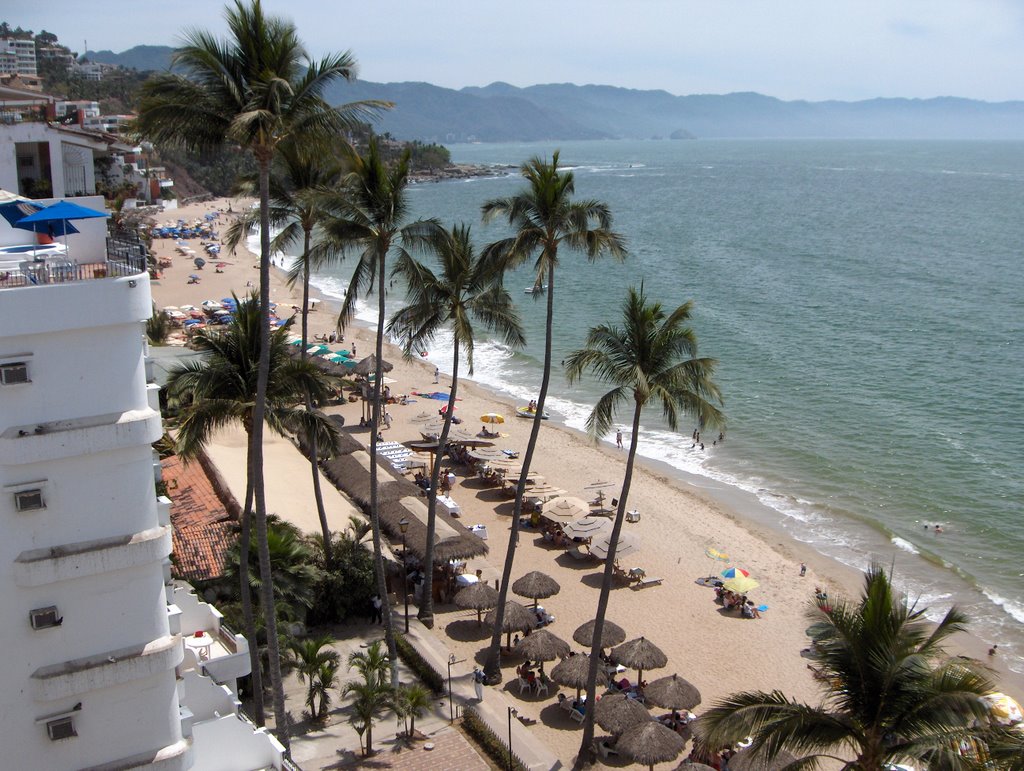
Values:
[(203, 529)]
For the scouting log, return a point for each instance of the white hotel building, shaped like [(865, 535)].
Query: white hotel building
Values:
[(97, 672)]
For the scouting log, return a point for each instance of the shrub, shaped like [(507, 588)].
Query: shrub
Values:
[(488, 741), (433, 679)]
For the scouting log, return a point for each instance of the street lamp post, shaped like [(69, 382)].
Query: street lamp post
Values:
[(403, 525), (451, 708), (512, 712)]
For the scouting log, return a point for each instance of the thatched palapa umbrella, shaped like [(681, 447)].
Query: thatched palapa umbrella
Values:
[(368, 366), (651, 742), (479, 597), (616, 712), (536, 586), (611, 634), (517, 619), (572, 673), (688, 765), (542, 646), (672, 692), (460, 547), (640, 654)]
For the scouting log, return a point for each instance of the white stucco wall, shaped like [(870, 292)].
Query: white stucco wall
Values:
[(113, 653)]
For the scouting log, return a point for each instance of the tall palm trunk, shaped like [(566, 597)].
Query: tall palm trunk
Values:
[(426, 612), (311, 440), (263, 157), (492, 666), (378, 555), (606, 590), (245, 590)]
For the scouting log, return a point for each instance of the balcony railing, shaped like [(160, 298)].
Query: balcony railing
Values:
[(51, 271)]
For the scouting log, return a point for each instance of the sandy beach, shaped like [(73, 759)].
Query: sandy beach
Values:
[(717, 651)]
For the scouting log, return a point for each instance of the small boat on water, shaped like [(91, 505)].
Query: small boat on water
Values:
[(526, 412), (536, 289)]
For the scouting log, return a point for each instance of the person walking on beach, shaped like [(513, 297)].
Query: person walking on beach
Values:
[(618, 438), (376, 616), (803, 569), (437, 373)]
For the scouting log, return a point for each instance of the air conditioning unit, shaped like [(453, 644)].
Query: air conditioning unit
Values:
[(29, 500), (14, 373), (45, 618), (62, 728)]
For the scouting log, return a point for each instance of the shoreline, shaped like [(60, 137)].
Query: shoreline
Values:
[(730, 501), (693, 511)]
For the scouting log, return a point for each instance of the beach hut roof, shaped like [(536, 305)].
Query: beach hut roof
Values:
[(451, 538), (616, 712), (351, 474), (611, 634), (536, 586), (541, 645), (640, 653), (517, 618), (572, 672), (672, 692), (650, 742), (478, 596)]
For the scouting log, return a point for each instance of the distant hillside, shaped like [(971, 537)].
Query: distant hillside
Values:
[(140, 58), (562, 111), (567, 111), (435, 114)]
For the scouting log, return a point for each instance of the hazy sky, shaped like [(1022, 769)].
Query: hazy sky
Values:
[(792, 49)]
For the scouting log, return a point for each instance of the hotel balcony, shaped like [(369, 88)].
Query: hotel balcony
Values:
[(217, 652)]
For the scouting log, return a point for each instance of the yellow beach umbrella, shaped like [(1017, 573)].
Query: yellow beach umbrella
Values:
[(1004, 709), (492, 417), (740, 584)]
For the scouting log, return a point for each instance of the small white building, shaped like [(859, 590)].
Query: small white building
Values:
[(99, 672)]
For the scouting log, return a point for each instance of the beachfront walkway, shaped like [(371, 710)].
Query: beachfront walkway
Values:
[(336, 745)]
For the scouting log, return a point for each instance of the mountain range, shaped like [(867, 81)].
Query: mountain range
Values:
[(563, 111)]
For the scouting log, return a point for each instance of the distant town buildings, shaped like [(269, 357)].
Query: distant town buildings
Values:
[(18, 55)]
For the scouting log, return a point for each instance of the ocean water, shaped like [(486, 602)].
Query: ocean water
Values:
[(865, 301)]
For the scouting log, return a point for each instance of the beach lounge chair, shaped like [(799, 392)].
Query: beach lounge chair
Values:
[(604, 749), (576, 715), (648, 581)]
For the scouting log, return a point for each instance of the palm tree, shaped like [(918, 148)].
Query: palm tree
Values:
[(467, 287), (296, 574), (368, 216), (318, 667), (370, 703), (255, 89), (371, 664), (544, 217), (411, 702), (651, 357), (220, 389), (892, 694), (297, 175)]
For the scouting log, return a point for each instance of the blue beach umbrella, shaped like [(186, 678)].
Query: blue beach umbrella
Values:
[(59, 215)]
